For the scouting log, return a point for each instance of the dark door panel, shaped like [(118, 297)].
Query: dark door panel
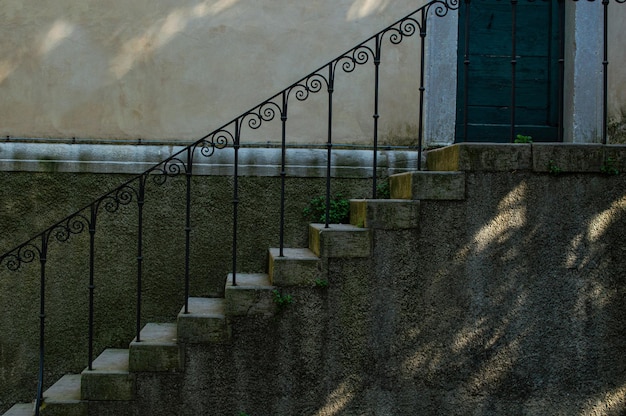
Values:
[(489, 81)]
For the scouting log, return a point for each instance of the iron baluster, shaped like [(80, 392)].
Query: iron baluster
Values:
[(188, 174), (466, 64), (140, 204), (513, 65), (42, 318), (236, 145), (92, 236), (329, 144), (561, 67), (283, 157), (605, 74), (376, 116), (422, 89)]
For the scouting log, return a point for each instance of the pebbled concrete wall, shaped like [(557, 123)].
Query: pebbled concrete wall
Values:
[(508, 302), (41, 185)]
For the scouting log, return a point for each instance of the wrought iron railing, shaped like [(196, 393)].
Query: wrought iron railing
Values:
[(231, 134)]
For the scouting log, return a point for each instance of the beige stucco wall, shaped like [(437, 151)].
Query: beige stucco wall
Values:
[(170, 69), (163, 70)]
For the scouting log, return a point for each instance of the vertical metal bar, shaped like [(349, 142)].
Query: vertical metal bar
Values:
[(605, 66), (188, 175), (513, 65), (42, 319), (376, 113), (283, 118), (550, 75), (236, 146), (466, 65), (329, 144), (422, 89), (92, 249), (140, 203), (561, 66)]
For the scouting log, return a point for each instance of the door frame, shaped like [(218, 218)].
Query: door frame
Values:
[(582, 110)]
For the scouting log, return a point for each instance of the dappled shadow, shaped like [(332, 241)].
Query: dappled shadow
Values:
[(516, 303)]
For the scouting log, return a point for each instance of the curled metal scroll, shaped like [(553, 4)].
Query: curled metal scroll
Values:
[(25, 253), (219, 139), (265, 112), (74, 225), (357, 56), (121, 196), (442, 7), (170, 169), (309, 85)]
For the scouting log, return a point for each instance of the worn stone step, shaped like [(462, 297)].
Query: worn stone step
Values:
[(252, 295), (297, 267), (63, 398), (205, 321), (338, 241), (490, 157), (21, 409), (109, 378), (385, 214), (157, 350), (426, 185)]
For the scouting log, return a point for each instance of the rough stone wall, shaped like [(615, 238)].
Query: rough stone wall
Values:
[(509, 302), (32, 201)]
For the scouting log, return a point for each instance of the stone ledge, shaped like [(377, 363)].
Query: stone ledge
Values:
[(480, 157), (253, 161), (385, 214), (538, 157), (426, 185), (340, 241)]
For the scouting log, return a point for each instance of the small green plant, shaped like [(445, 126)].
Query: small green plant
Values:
[(608, 167), (339, 212), (382, 189), (523, 139), (553, 168), (243, 414), (321, 283), (282, 301)]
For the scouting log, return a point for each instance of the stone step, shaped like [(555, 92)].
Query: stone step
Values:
[(297, 267), (63, 398), (205, 321), (109, 378), (336, 241), (157, 351), (252, 295), (426, 185), (385, 214), (21, 409)]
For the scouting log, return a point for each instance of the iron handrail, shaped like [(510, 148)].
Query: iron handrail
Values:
[(229, 135)]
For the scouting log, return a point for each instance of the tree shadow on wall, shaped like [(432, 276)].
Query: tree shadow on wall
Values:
[(511, 302)]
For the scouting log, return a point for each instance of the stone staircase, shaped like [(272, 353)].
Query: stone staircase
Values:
[(111, 387)]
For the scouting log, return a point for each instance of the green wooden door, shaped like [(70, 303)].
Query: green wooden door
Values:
[(490, 74)]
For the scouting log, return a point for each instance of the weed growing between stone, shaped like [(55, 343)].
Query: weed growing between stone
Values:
[(281, 301), (321, 283), (523, 139), (553, 168), (339, 210), (609, 168)]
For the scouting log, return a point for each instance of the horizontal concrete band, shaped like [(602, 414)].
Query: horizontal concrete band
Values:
[(135, 159)]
